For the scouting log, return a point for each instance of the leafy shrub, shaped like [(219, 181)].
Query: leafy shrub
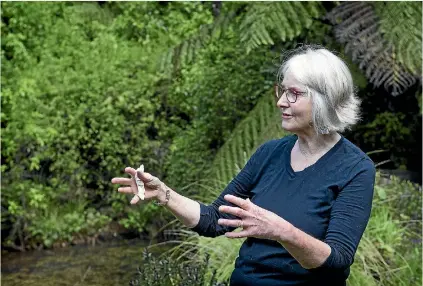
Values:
[(82, 98), (79, 103), (167, 272), (390, 253), (213, 103)]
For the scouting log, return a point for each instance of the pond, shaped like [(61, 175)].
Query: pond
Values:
[(104, 264)]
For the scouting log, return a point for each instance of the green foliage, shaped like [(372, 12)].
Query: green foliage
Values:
[(79, 104), (284, 19), (220, 251), (168, 272), (41, 216), (185, 51), (82, 98), (67, 121), (138, 219), (389, 252), (162, 26), (214, 102), (401, 24), (389, 129), (385, 59), (65, 223), (261, 125), (392, 125), (387, 56), (256, 24)]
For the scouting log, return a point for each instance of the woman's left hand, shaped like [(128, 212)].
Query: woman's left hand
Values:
[(254, 220)]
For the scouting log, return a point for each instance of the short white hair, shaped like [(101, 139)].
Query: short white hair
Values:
[(335, 106)]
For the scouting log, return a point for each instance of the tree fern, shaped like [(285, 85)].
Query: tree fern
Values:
[(359, 28), (285, 19), (185, 52), (261, 24), (262, 124), (401, 25)]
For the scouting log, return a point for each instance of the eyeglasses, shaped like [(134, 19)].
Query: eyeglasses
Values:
[(291, 94)]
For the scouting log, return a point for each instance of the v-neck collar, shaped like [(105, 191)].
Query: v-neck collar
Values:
[(319, 163)]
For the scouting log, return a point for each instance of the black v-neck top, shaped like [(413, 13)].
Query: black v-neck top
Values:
[(330, 200)]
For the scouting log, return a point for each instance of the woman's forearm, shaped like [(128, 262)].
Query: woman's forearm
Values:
[(184, 209), (307, 250)]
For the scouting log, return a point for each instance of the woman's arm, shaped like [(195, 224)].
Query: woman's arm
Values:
[(349, 217), (307, 250), (201, 218), (184, 209)]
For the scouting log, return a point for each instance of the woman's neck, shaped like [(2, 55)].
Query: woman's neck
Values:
[(314, 144)]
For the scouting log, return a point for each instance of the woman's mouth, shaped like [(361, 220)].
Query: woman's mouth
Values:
[(286, 116)]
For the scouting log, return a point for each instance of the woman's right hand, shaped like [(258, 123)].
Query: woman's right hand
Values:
[(154, 188)]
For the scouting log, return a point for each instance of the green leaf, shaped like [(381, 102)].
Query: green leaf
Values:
[(381, 192)]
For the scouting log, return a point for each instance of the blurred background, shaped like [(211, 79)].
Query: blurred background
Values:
[(186, 88)]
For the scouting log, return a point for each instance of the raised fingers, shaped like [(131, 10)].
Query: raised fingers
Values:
[(149, 180), (145, 177), (131, 171), (230, 222), (234, 211), (135, 200), (126, 190), (238, 201), (122, 181), (240, 234)]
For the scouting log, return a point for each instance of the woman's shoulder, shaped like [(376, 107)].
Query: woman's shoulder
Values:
[(351, 150), (354, 159), (269, 147), (278, 143)]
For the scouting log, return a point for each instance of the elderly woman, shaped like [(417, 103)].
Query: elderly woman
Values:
[(302, 201)]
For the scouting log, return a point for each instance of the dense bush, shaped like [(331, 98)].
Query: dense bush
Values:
[(216, 104), (79, 104), (89, 88)]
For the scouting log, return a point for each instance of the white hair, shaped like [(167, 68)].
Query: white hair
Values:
[(335, 106)]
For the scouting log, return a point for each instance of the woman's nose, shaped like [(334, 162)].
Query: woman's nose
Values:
[(282, 102)]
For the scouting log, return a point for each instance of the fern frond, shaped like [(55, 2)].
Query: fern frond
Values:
[(305, 21), (185, 52), (401, 25), (358, 27), (263, 123), (285, 19), (259, 25)]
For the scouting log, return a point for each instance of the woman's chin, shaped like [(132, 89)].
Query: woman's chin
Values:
[(287, 127)]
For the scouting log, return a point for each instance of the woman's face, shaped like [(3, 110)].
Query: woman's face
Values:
[(296, 117)]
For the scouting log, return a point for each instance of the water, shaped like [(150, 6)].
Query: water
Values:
[(104, 264)]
